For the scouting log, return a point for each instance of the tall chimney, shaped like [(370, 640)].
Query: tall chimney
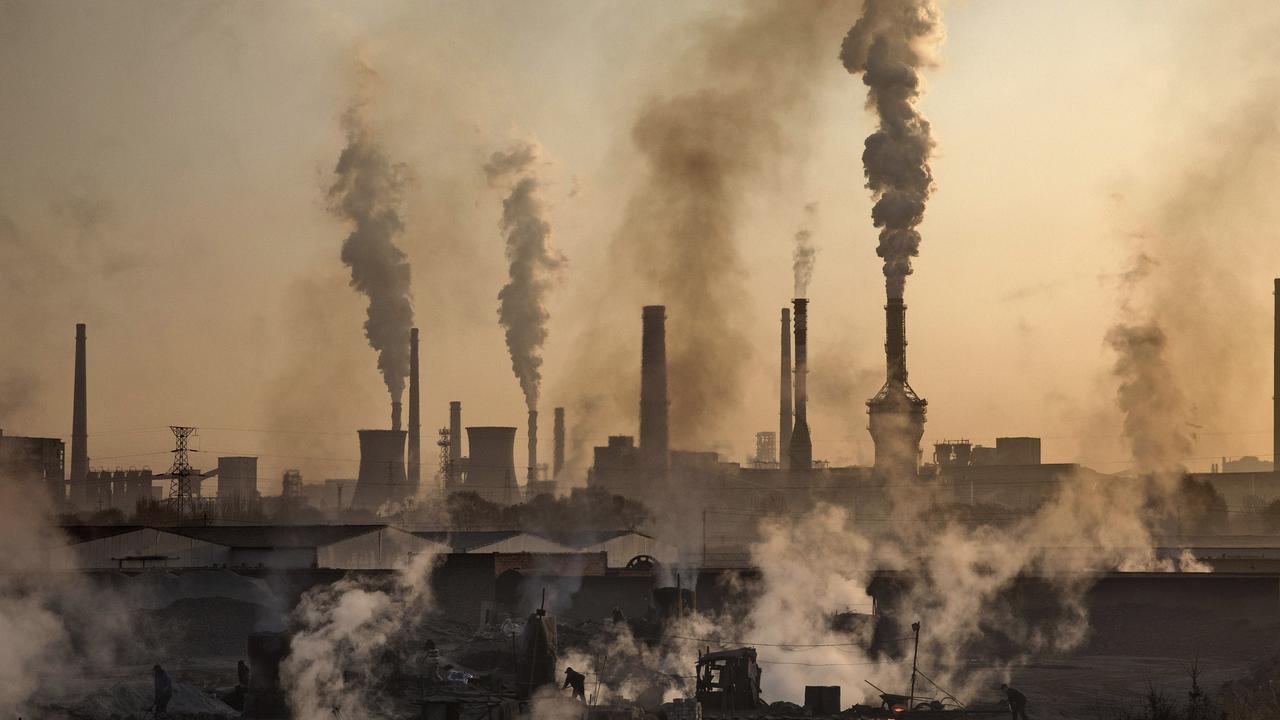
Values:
[(895, 341), (533, 446), (653, 389), (784, 394), (1275, 398), (800, 448), (557, 457), (415, 425), (455, 439), (80, 430), (896, 413), (395, 415)]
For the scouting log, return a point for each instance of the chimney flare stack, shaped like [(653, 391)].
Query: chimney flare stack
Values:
[(800, 450), (897, 413), (533, 446), (80, 429), (557, 458), (415, 420), (784, 393), (653, 390)]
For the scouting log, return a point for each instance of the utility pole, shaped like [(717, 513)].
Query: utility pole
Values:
[(911, 701)]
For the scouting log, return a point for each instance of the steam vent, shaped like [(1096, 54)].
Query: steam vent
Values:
[(897, 413)]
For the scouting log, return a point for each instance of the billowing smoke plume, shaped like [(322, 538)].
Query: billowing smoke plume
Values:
[(803, 256), (889, 45), (533, 263), (734, 111), (367, 192)]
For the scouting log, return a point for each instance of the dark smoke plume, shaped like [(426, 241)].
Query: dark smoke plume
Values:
[(889, 45), (804, 254), (367, 191), (522, 301), (734, 113)]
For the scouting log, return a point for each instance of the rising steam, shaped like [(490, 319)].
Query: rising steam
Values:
[(804, 254), (367, 191), (533, 264), (889, 45)]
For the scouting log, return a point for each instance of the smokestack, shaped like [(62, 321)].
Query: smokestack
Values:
[(395, 415), (415, 424), (784, 394), (653, 389), (800, 447), (455, 441), (897, 413), (557, 457), (1275, 398), (80, 429), (491, 465), (382, 475), (533, 446), (895, 342)]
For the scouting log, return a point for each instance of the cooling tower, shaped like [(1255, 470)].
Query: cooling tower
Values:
[(80, 430), (557, 458), (491, 463), (415, 424), (800, 447), (784, 393), (897, 413), (237, 478), (382, 473), (653, 390)]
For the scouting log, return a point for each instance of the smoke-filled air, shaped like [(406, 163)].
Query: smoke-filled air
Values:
[(1048, 487), (368, 193), (805, 253), (889, 46), (533, 263)]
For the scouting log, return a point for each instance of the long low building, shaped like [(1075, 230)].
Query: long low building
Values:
[(621, 547), (339, 547)]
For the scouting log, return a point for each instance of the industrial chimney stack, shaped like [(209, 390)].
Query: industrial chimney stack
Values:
[(800, 447), (532, 475), (415, 420), (653, 390), (784, 394), (455, 441), (897, 413), (1275, 387), (80, 430), (557, 458)]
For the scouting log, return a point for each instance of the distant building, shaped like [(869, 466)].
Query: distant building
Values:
[(34, 462)]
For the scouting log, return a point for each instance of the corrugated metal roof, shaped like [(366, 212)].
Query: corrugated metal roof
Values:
[(275, 536)]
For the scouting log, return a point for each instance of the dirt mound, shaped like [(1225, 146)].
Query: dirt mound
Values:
[(205, 627), (134, 700)]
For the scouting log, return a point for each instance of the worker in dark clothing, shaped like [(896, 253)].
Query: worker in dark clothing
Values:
[(242, 674), (578, 682), (1017, 703), (164, 690)]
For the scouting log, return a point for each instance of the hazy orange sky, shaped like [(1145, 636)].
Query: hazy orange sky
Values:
[(163, 169)]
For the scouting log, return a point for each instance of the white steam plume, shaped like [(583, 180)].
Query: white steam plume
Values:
[(804, 254), (889, 45), (533, 264), (367, 191), (345, 627)]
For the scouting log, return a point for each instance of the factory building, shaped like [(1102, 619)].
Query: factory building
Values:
[(345, 547), (35, 463)]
